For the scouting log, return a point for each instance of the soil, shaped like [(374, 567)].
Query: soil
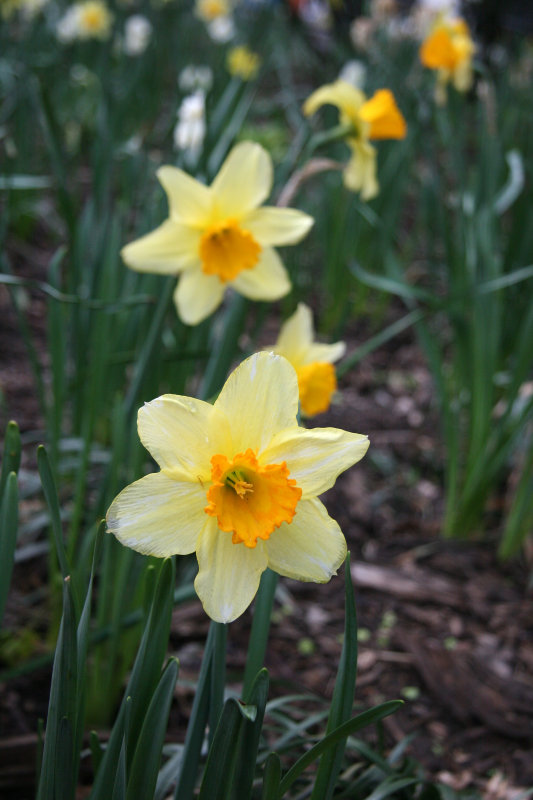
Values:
[(443, 625)]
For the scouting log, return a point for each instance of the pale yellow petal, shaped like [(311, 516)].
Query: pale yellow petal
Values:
[(347, 98), (277, 226), (228, 575), (310, 548), (197, 295), (295, 341), (182, 434), (167, 250), (325, 352), (259, 399), (360, 172), (296, 335), (244, 181), (268, 280), (158, 516), (315, 457), (189, 201)]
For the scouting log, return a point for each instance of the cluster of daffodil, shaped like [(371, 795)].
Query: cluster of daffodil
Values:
[(239, 479)]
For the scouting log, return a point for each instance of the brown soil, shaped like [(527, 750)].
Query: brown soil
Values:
[(443, 625)]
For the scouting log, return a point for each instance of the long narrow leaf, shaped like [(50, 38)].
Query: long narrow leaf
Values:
[(356, 724), (142, 776), (343, 696), (8, 536)]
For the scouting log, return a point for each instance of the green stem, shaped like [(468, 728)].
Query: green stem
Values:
[(260, 629)]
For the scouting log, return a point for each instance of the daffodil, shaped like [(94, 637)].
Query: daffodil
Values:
[(366, 120), (218, 237), (209, 10), (312, 361), (449, 50), (238, 485), (90, 19), (243, 63)]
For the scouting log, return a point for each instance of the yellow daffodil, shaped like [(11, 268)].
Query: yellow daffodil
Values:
[(87, 20), (449, 50), (217, 236), (243, 63), (208, 10), (312, 361), (238, 485), (376, 118)]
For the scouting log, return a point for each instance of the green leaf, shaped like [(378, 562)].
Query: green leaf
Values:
[(390, 786), (11, 457), (145, 764), (250, 735), (390, 285), (97, 752), (144, 678), (347, 729), (194, 738), (50, 493), (271, 778), (343, 696), (119, 785), (218, 775), (8, 536), (59, 765), (218, 676), (260, 629)]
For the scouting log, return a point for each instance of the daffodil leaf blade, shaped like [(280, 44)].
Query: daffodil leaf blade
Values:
[(142, 777), (59, 761), (347, 729), (220, 767), (11, 456), (343, 696), (250, 734), (8, 536), (195, 730), (152, 649), (271, 778)]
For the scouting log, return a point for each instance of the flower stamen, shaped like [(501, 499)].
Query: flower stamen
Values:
[(226, 249), (250, 500)]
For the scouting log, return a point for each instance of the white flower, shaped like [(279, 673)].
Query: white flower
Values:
[(189, 132), (67, 27), (354, 72), (221, 29), (192, 78), (137, 33)]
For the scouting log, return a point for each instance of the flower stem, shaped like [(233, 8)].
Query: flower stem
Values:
[(260, 629)]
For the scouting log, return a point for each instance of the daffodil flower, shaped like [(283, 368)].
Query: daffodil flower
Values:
[(218, 237), (312, 361), (449, 50), (238, 485), (376, 118)]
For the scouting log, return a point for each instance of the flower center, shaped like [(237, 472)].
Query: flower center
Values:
[(250, 500), (226, 249), (316, 384), (93, 19)]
